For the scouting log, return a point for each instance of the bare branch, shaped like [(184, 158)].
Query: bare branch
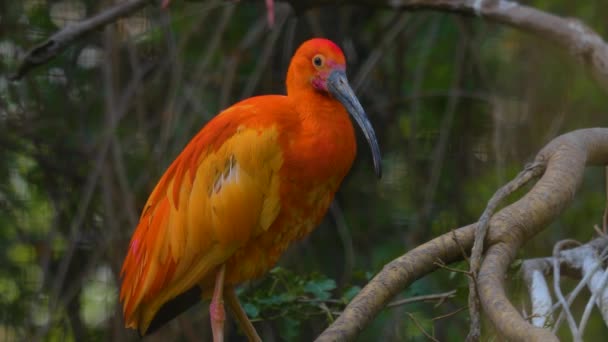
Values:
[(577, 38), (450, 314), (395, 276), (61, 39), (582, 42), (576, 336), (539, 293), (438, 296), (566, 157), (605, 217), (587, 259), (530, 172), (570, 264), (430, 337)]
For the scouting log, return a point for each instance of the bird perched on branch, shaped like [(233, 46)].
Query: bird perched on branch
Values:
[(257, 177)]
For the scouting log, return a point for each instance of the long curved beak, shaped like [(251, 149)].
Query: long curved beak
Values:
[(338, 86)]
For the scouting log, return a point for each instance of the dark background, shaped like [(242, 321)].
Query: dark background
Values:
[(459, 105)]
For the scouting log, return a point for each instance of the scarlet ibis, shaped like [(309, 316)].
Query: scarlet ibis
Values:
[(258, 176)]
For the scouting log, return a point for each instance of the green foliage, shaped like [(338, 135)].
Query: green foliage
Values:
[(290, 298), (515, 93)]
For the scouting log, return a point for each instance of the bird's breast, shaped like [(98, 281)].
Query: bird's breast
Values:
[(315, 162), (303, 206)]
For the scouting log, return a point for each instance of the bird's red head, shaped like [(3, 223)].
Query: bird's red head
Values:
[(312, 64), (319, 66)]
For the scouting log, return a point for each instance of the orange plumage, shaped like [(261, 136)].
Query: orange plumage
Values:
[(258, 176)]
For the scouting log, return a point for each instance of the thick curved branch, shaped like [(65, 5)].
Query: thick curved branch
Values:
[(530, 172), (494, 267), (566, 157), (395, 276)]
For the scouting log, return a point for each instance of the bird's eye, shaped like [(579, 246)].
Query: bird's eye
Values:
[(318, 61)]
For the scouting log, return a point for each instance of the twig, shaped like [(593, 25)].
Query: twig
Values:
[(571, 34), (599, 231), (465, 256), (449, 314), (428, 42), (200, 74), (530, 172), (441, 264), (317, 300), (558, 291), (282, 13), (347, 241), (430, 337), (572, 295), (605, 218), (325, 309), (61, 39), (601, 287), (438, 296), (439, 151), (540, 295), (590, 262), (376, 54)]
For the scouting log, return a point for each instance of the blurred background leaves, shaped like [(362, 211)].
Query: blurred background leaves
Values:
[(459, 105)]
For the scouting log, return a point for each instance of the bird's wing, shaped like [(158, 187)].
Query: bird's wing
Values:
[(221, 190)]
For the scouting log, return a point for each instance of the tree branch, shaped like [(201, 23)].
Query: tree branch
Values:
[(581, 41), (573, 35), (440, 297), (60, 40), (539, 295), (530, 172), (582, 263), (576, 335), (394, 277), (589, 261), (565, 157)]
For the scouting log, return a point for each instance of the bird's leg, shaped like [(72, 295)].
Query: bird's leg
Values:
[(216, 308), (241, 316)]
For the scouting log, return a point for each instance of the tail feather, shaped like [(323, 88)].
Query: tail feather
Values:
[(174, 307)]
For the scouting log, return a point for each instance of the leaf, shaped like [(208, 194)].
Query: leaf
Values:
[(251, 310), (289, 329), (320, 289), (350, 293), (277, 299)]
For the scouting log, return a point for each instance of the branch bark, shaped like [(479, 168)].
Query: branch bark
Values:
[(565, 158), (540, 297), (587, 259), (394, 277), (511, 227), (58, 42), (570, 263), (577, 38), (581, 41)]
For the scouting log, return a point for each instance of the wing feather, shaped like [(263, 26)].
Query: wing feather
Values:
[(221, 190)]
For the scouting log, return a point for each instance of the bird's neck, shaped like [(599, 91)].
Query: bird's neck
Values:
[(326, 136), (314, 106)]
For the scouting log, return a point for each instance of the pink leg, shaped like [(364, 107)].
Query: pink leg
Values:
[(216, 308), (241, 316)]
